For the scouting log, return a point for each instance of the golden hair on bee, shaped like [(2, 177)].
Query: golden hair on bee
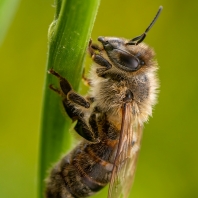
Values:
[(123, 90)]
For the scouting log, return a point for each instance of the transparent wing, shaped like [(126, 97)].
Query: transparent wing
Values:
[(126, 157)]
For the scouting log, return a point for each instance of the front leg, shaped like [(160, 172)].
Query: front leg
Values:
[(85, 80), (97, 58), (76, 106)]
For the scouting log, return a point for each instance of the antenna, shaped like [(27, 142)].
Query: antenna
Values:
[(140, 38)]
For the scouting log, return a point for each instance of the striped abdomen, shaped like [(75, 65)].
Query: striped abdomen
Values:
[(86, 170)]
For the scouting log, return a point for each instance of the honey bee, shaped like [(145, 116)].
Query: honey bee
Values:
[(123, 90)]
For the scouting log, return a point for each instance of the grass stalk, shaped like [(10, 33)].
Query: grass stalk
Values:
[(69, 35)]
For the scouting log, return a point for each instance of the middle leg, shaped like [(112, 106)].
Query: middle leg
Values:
[(76, 107)]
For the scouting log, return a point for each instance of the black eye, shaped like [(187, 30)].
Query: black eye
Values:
[(129, 61)]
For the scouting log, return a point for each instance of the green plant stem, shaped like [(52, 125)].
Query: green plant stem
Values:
[(69, 34)]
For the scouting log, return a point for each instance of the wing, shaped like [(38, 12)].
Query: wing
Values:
[(126, 156)]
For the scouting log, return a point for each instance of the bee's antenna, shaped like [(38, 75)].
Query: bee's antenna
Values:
[(140, 38)]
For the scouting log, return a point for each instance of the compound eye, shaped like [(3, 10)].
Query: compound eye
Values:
[(129, 61)]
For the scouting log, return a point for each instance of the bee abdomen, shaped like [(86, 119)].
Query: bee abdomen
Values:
[(82, 173), (56, 187)]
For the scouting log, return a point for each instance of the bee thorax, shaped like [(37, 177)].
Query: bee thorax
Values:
[(111, 94)]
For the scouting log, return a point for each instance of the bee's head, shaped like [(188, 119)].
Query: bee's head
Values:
[(121, 54), (128, 55)]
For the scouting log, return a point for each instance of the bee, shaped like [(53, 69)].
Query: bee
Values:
[(123, 90)]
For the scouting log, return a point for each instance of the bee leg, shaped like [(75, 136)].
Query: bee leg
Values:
[(89, 133), (82, 128), (92, 47), (72, 111), (77, 99), (55, 90), (97, 58), (86, 81), (73, 104), (93, 124), (68, 91), (64, 84), (101, 61)]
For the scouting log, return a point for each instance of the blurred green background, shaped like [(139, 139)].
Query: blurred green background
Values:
[(168, 162)]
